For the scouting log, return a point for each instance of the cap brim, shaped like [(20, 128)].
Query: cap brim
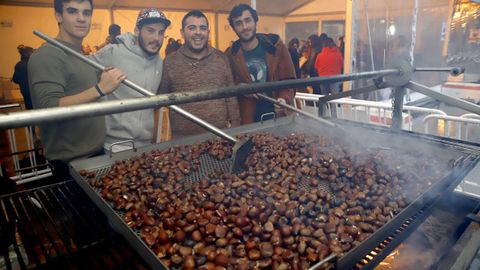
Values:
[(166, 22), (154, 20)]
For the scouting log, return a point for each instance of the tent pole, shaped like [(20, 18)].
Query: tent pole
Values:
[(217, 32), (112, 18), (110, 9)]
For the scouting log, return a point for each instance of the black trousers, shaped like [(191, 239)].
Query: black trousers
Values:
[(61, 171)]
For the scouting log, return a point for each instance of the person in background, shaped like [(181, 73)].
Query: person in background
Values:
[(302, 46), (303, 55), (114, 30), (399, 48), (20, 74), (314, 47), (86, 49), (362, 64), (136, 54), (258, 58), (59, 79), (341, 45), (329, 62), (172, 46), (293, 50), (197, 66)]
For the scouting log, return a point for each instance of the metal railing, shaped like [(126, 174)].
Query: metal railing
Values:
[(375, 112), (380, 113), (458, 127), (32, 168)]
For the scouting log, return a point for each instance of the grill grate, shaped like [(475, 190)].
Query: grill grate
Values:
[(58, 227), (387, 245), (381, 242), (210, 165)]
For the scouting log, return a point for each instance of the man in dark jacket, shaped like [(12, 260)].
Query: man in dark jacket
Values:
[(258, 58), (20, 75)]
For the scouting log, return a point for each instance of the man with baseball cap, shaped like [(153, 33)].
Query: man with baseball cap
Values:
[(137, 56)]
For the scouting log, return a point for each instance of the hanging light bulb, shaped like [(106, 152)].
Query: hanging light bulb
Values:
[(391, 30)]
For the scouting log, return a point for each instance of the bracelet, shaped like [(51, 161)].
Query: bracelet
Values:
[(99, 90)]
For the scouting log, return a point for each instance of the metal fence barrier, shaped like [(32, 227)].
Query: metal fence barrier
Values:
[(28, 163), (373, 112)]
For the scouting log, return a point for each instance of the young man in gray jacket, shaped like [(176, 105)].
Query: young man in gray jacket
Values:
[(137, 56)]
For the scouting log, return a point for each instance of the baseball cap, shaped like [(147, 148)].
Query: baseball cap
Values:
[(151, 15)]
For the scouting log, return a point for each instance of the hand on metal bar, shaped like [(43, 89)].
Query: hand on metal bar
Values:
[(112, 77)]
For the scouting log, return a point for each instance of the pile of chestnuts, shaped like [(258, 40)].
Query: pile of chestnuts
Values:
[(302, 198)]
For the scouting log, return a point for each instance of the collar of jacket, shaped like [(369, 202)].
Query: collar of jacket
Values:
[(268, 40), (187, 53)]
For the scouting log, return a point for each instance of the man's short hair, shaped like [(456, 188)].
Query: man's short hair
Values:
[(293, 41), (238, 10), (114, 30), (329, 42), (194, 13), (58, 4)]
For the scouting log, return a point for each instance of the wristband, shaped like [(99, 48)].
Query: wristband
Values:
[(99, 90)]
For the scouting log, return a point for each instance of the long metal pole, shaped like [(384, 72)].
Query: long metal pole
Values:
[(318, 119), (141, 90), (397, 120), (454, 71), (356, 91), (462, 104), (322, 262), (204, 124), (19, 119)]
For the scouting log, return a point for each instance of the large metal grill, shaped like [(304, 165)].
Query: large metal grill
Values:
[(58, 227), (371, 251)]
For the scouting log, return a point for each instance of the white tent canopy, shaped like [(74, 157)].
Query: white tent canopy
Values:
[(264, 7)]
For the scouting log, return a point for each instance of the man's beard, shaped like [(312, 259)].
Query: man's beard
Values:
[(254, 33), (141, 42), (196, 50)]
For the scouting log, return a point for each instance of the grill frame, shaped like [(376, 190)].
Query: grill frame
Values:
[(408, 219), (67, 222)]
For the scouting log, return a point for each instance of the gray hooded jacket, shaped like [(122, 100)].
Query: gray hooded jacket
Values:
[(140, 69)]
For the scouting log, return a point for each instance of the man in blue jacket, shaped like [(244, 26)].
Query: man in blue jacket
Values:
[(137, 56)]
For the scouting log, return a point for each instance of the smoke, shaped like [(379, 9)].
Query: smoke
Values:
[(397, 29)]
